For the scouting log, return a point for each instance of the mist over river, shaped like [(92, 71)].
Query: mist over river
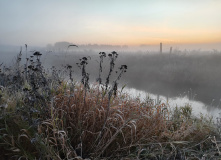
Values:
[(182, 76), (193, 76)]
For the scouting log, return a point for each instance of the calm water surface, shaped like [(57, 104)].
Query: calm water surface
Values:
[(198, 107)]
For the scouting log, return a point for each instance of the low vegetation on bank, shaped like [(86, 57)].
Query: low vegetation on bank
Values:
[(46, 114)]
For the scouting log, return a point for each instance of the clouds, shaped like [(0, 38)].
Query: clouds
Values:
[(109, 22)]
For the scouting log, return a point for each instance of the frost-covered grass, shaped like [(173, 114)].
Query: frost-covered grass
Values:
[(45, 115)]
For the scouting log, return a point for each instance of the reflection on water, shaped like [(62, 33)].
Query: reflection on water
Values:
[(197, 106)]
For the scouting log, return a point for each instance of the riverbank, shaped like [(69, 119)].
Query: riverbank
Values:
[(44, 115)]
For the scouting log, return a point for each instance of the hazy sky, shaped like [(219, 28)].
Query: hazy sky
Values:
[(130, 22)]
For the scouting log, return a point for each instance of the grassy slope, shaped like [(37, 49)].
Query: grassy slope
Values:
[(44, 116)]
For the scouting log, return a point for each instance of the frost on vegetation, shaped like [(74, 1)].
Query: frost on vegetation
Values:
[(54, 117)]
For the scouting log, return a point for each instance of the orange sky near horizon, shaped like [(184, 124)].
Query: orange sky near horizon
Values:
[(125, 22), (142, 35)]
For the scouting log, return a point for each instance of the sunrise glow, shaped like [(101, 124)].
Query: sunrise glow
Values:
[(123, 22)]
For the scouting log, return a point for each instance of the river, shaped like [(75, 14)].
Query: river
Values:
[(198, 108)]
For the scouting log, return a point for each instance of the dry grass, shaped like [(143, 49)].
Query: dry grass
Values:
[(128, 124), (131, 126), (134, 129), (50, 118)]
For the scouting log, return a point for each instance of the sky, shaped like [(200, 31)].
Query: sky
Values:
[(113, 22)]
